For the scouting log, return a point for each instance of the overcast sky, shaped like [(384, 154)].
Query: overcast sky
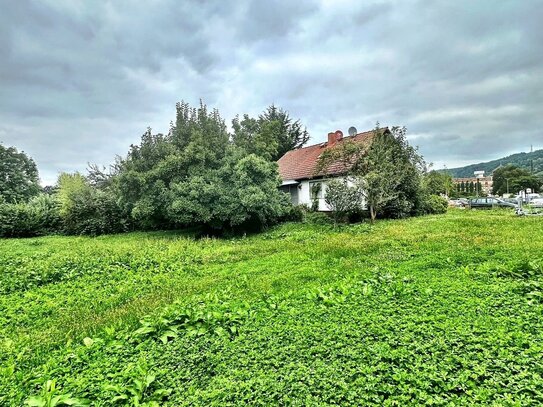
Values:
[(81, 80)]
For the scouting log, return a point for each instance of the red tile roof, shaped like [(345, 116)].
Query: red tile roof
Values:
[(302, 163)]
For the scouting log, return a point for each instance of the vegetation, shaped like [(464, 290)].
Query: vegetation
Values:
[(342, 198), (438, 183), (388, 172), (196, 175), (442, 310), (467, 189), (532, 162), (290, 134), (511, 179), (40, 216), (18, 176)]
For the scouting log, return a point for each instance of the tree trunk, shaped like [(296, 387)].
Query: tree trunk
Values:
[(373, 213)]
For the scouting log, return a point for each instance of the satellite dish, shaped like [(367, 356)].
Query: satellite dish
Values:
[(352, 131)]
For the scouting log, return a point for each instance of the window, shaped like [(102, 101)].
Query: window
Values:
[(315, 190)]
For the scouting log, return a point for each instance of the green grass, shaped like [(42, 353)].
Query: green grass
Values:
[(438, 310)]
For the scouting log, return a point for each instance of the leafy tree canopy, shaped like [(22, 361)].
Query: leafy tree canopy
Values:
[(271, 135), (19, 179), (290, 134), (198, 174), (512, 179), (388, 169), (438, 182)]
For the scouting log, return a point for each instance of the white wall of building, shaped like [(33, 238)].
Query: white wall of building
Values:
[(304, 194)]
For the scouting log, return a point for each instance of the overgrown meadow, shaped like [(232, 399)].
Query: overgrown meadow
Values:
[(436, 310)]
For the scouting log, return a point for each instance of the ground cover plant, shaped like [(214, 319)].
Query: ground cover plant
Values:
[(435, 310)]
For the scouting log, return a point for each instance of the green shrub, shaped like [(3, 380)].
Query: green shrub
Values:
[(86, 210), (318, 218), (433, 204), (294, 213), (94, 212), (40, 216)]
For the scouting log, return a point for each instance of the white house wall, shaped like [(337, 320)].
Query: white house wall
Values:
[(304, 194)]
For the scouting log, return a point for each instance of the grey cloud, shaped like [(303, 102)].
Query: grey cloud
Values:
[(80, 81)]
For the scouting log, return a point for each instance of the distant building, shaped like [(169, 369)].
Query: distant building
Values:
[(477, 183)]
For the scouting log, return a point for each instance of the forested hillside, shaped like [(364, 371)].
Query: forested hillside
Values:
[(522, 160)]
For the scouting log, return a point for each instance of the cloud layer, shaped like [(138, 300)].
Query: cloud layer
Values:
[(80, 81)]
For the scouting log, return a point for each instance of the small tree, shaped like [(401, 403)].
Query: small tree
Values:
[(387, 169), (343, 198), (438, 183)]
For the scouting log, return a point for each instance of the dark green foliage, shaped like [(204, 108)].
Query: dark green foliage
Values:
[(511, 179), (40, 216), (294, 213), (18, 176), (240, 193), (196, 176), (271, 135), (88, 210), (94, 212), (256, 137), (527, 161), (318, 218), (288, 133)]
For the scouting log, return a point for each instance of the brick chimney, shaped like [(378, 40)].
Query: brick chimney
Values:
[(334, 137)]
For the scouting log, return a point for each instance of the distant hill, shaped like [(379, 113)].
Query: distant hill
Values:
[(522, 160)]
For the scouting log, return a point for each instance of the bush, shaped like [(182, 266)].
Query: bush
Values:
[(242, 194), (318, 218), (94, 212), (343, 199), (86, 210), (433, 204), (38, 217), (294, 213)]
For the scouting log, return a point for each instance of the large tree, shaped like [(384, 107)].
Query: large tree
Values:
[(19, 179), (257, 137), (288, 133), (198, 174), (271, 135), (512, 179)]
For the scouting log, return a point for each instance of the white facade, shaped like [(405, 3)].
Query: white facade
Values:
[(300, 192)]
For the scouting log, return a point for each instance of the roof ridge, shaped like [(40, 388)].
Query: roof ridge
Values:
[(301, 162), (343, 138)]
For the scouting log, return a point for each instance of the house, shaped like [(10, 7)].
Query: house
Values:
[(298, 169)]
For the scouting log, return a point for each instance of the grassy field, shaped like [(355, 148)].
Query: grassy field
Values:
[(438, 310)]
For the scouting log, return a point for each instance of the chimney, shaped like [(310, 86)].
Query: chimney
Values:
[(334, 137)]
